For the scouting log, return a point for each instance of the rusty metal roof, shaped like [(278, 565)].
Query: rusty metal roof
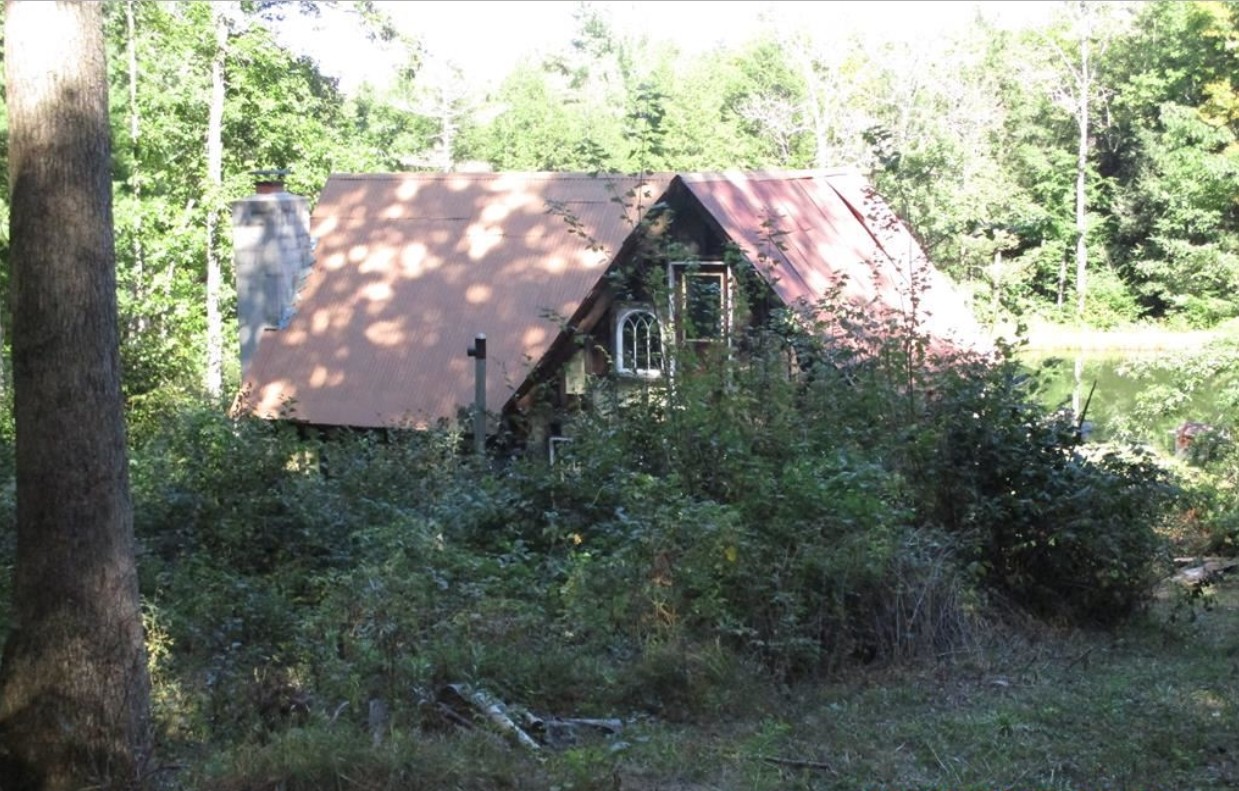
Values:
[(813, 233), (410, 267)]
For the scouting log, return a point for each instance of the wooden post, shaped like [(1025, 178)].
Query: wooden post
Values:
[(478, 352)]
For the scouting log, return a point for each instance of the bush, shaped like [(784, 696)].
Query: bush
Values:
[(1066, 533), (740, 507), (754, 519)]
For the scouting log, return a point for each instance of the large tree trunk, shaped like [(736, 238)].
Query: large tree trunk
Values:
[(215, 178), (74, 690)]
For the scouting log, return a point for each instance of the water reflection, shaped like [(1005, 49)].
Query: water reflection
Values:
[(1129, 396)]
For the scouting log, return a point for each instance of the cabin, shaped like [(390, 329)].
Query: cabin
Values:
[(405, 300)]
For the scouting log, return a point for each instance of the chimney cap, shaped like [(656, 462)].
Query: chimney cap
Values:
[(269, 181)]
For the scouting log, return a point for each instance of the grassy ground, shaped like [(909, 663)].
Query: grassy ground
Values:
[(1156, 706), (1153, 706), (1047, 337)]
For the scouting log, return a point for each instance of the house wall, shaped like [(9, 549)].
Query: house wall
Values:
[(549, 409)]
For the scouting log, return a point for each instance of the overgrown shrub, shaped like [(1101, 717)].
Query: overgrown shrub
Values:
[(1065, 532), (738, 506)]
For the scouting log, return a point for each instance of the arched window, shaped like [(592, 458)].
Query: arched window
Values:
[(638, 343)]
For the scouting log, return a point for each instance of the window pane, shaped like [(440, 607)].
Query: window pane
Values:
[(641, 343), (703, 305)]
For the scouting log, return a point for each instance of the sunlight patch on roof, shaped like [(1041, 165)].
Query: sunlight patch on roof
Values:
[(478, 293), (322, 377), (534, 336), (377, 292), (385, 332), (406, 190), (321, 322), (415, 260), (482, 240), (500, 210), (379, 261)]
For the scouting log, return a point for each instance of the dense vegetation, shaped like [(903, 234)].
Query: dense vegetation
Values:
[(745, 530), (710, 548)]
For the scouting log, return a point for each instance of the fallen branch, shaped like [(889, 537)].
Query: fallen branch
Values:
[(799, 763), (1188, 560), (335, 715), (449, 714), (493, 711), (561, 732), (1081, 658), (1208, 571)]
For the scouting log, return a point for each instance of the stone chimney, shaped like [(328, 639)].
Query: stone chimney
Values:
[(272, 253)]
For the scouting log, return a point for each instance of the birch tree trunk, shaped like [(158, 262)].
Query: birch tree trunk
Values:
[(215, 179), (74, 691), (1084, 87), (139, 268)]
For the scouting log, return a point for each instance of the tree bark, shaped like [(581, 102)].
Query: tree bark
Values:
[(74, 691), (215, 180)]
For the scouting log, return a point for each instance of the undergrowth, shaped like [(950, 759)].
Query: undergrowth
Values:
[(698, 555)]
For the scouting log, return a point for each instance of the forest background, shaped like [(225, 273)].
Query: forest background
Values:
[(310, 606), (1079, 170)]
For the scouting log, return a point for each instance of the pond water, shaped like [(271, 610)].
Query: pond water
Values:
[(1132, 397)]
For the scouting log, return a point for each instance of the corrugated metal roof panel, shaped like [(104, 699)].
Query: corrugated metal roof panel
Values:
[(828, 230), (938, 305), (410, 267)]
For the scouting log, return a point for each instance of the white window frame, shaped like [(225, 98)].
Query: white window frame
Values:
[(677, 288), (621, 319)]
